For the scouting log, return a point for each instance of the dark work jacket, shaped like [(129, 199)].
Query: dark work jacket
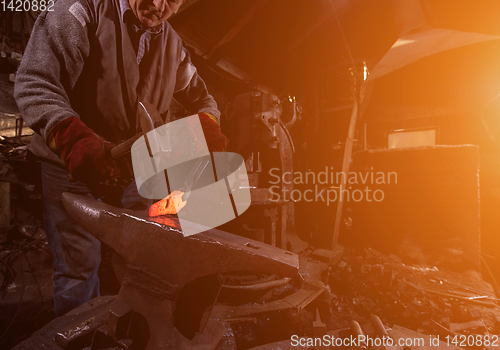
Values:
[(80, 61)]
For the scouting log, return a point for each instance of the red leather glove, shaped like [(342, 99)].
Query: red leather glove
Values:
[(216, 141), (85, 153)]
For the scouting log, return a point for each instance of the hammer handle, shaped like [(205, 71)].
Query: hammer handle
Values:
[(124, 147)]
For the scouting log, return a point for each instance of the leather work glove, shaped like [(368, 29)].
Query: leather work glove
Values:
[(86, 154), (216, 141)]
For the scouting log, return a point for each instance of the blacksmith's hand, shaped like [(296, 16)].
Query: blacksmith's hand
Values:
[(216, 141), (86, 154)]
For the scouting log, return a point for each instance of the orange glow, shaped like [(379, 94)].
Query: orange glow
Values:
[(169, 205)]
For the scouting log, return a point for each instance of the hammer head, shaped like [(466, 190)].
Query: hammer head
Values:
[(149, 117), (158, 245)]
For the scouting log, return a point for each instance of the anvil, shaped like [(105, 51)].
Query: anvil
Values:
[(161, 261)]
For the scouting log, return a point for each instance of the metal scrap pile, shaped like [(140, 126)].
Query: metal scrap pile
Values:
[(425, 298)]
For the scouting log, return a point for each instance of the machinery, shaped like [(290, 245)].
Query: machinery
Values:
[(258, 128)]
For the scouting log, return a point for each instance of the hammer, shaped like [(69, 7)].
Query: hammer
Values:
[(149, 119)]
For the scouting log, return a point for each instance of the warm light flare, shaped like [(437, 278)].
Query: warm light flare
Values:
[(169, 205)]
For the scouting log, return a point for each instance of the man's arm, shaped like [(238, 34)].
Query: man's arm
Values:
[(52, 63), (191, 91), (51, 66)]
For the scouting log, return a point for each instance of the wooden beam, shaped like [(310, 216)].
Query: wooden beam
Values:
[(238, 27), (346, 166), (349, 143)]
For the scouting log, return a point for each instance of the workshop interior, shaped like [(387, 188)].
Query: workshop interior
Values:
[(365, 139)]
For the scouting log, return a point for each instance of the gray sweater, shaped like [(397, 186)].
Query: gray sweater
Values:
[(80, 62)]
